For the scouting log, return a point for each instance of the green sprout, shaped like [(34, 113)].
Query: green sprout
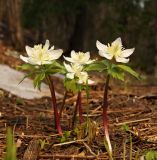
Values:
[(11, 147), (151, 155)]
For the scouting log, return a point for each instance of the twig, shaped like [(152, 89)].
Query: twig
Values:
[(67, 156), (30, 136), (148, 96), (91, 115), (20, 109), (71, 100), (40, 110), (66, 143), (96, 109), (89, 149), (133, 121)]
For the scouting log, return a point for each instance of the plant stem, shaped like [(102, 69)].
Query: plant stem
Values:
[(54, 104), (75, 112), (78, 107), (130, 147), (63, 104), (124, 150), (105, 119)]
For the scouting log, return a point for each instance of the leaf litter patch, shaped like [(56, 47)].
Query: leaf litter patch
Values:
[(129, 113)]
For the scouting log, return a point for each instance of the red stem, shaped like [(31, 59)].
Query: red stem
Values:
[(54, 104), (63, 104), (78, 108), (105, 119)]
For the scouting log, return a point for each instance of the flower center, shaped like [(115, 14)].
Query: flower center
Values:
[(114, 49), (40, 53), (81, 56)]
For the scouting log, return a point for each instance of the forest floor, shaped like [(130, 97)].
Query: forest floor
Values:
[(132, 117)]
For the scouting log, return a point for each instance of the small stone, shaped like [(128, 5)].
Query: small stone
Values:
[(18, 143), (12, 53), (10, 79), (1, 93)]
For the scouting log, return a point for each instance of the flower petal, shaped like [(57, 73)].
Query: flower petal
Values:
[(73, 54), (118, 40), (80, 81), (68, 68), (47, 62), (101, 46), (47, 44), (34, 61), (121, 59), (90, 61), (83, 77), (127, 52), (25, 59), (87, 56), (106, 55), (70, 75), (29, 50), (56, 53), (69, 59), (90, 81), (52, 48)]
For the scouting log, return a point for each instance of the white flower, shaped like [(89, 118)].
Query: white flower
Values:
[(73, 70), (115, 50), (39, 55), (76, 71), (79, 57), (84, 78)]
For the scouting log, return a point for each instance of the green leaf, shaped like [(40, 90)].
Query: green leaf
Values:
[(65, 136), (99, 66), (151, 155), (59, 70), (58, 65), (125, 127), (63, 139), (116, 75), (55, 67), (67, 133), (11, 147), (129, 70), (27, 75), (71, 85), (38, 79), (43, 143), (19, 101), (116, 72), (25, 66), (107, 63)]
